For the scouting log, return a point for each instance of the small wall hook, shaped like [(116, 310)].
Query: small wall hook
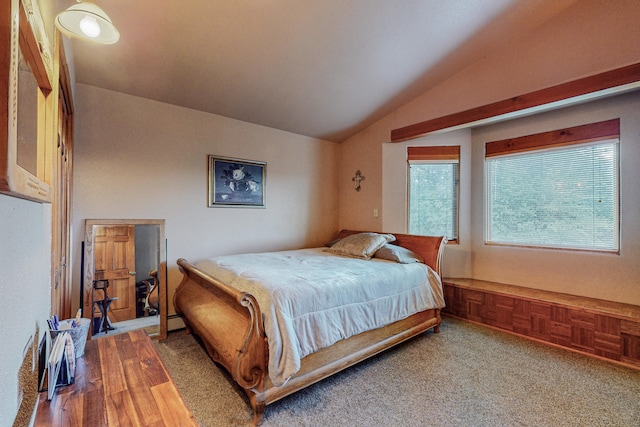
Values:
[(357, 179)]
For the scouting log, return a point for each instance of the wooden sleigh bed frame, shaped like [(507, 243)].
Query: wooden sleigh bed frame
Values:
[(229, 323)]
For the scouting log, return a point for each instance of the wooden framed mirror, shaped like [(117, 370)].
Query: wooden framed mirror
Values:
[(26, 84), (131, 255)]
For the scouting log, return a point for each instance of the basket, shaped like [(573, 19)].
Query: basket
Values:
[(78, 334)]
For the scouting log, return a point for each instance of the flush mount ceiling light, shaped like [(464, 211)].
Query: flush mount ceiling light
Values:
[(88, 22)]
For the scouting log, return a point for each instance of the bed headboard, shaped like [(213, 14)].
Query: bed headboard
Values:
[(430, 248)]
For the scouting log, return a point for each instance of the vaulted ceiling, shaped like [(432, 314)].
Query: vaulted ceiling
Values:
[(321, 68)]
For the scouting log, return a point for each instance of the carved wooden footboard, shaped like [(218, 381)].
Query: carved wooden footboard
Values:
[(229, 323)]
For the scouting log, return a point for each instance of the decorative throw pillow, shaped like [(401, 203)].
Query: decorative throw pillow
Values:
[(398, 254), (361, 245)]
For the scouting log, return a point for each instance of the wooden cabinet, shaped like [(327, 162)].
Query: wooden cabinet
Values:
[(604, 329)]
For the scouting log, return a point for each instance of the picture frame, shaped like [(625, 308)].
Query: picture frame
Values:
[(236, 182), (26, 151)]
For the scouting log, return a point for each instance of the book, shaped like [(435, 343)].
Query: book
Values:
[(61, 364)]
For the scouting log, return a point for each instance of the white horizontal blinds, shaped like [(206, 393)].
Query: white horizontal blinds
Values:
[(555, 189), (433, 190)]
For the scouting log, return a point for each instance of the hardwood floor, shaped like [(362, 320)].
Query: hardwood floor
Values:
[(120, 381)]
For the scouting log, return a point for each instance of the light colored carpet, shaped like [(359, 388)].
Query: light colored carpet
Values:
[(467, 375)]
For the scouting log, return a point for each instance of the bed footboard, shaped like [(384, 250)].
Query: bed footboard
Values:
[(228, 321)]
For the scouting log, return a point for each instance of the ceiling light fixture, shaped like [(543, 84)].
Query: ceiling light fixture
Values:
[(87, 21)]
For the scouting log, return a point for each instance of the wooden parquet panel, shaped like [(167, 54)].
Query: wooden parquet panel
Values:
[(600, 328)]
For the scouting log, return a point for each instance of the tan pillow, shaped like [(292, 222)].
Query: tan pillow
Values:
[(361, 245), (398, 254)]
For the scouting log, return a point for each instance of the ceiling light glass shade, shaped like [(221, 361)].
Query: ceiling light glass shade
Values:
[(88, 22)]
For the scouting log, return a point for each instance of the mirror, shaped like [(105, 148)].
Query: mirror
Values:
[(25, 145), (28, 92), (131, 255)]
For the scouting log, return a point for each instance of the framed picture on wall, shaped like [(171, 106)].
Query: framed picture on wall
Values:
[(237, 182)]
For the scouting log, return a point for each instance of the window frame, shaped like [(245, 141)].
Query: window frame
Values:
[(560, 138), (445, 154)]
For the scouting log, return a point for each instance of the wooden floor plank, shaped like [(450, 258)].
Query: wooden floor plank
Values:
[(112, 371), (120, 381), (140, 391), (154, 371), (174, 410), (121, 411)]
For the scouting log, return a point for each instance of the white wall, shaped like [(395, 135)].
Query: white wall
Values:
[(137, 158), (25, 290), (25, 279), (600, 275), (587, 38), (394, 195)]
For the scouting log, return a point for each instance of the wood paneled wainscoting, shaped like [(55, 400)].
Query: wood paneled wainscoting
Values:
[(604, 329)]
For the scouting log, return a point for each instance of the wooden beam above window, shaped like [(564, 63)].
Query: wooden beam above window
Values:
[(607, 83), (558, 138)]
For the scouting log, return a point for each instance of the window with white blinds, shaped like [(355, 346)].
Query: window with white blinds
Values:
[(433, 191), (557, 189)]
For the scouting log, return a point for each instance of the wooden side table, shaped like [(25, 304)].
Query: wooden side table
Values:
[(120, 380)]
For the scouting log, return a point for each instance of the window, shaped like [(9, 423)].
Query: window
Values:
[(433, 191), (556, 189)]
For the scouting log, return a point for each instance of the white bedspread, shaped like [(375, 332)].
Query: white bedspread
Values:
[(310, 298)]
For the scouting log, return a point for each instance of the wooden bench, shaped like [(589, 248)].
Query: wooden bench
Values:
[(603, 329), (120, 380)]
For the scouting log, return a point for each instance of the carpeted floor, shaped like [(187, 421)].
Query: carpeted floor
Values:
[(467, 375)]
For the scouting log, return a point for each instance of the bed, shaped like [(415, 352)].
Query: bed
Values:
[(222, 303)]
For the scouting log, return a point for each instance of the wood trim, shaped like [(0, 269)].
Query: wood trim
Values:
[(620, 79), (556, 138), (451, 152), (19, 35), (64, 78), (31, 51), (88, 272), (6, 89)]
